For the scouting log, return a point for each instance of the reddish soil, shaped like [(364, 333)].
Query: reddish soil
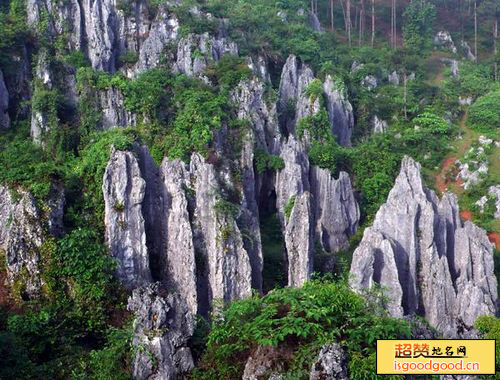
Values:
[(440, 179), (466, 215), (495, 238)]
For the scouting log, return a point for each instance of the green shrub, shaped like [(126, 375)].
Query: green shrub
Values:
[(484, 115), (27, 165), (490, 328), (302, 320), (289, 207), (314, 90), (128, 58), (92, 163), (113, 361), (265, 161)]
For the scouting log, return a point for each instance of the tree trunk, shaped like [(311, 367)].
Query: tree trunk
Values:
[(361, 23), (495, 37), (475, 28), (405, 80), (373, 22), (348, 14), (332, 26)]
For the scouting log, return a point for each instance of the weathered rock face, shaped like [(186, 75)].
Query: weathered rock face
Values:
[(455, 72), (218, 237), (339, 110), (429, 263), (22, 234), (4, 104), (314, 22), (379, 126), (114, 113), (162, 330), (294, 80), (336, 210), (331, 364), (195, 52), (393, 78), (250, 97), (40, 118), (299, 240), (443, 40), (178, 257), (124, 188), (370, 82), (266, 362)]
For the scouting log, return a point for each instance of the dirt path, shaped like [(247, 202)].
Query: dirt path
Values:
[(441, 179), (444, 181)]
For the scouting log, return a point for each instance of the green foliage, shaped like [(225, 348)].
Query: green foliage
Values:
[(26, 165), (146, 94), (228, 72), (92, 163), (265, 161), (273, 271), (490, 328), (128, 58), (76, 59), (289, 207), (14, 32), (314, 90), (317, 125), (300, 319), (484, 115), (417, 29), (113, 361)]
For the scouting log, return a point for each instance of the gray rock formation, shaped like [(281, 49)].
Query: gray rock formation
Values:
[(299, 230), (267, 362), (393, 78), (427, 261), (124, 188), (162, 329), (335, 208), (294, 178), (467, 51), (379, 125), (339, 110), (113, 109), (250, 99), (331, 364), (178, 264), (314, 22), (218, 237), (24, 228), (455, 72), (443, 40), (293, 104), (370, 82), (195, 52), (4, 104), (44, 81)]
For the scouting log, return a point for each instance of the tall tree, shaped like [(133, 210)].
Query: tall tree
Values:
[(475, 28), (373, 22), (393, 24), (348, 14), (332, 26), (495, 37), (361, 23)]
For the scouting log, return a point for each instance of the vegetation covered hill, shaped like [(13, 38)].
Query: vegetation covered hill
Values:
[(408, 93)]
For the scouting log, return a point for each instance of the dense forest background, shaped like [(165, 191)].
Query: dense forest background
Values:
[(447, 95)]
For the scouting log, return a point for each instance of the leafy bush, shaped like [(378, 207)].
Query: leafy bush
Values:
[(303, 320), (314, 89), (265, 161), (26, 164), (484, 115), (490, 328), (289, 207), (92, 163)]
